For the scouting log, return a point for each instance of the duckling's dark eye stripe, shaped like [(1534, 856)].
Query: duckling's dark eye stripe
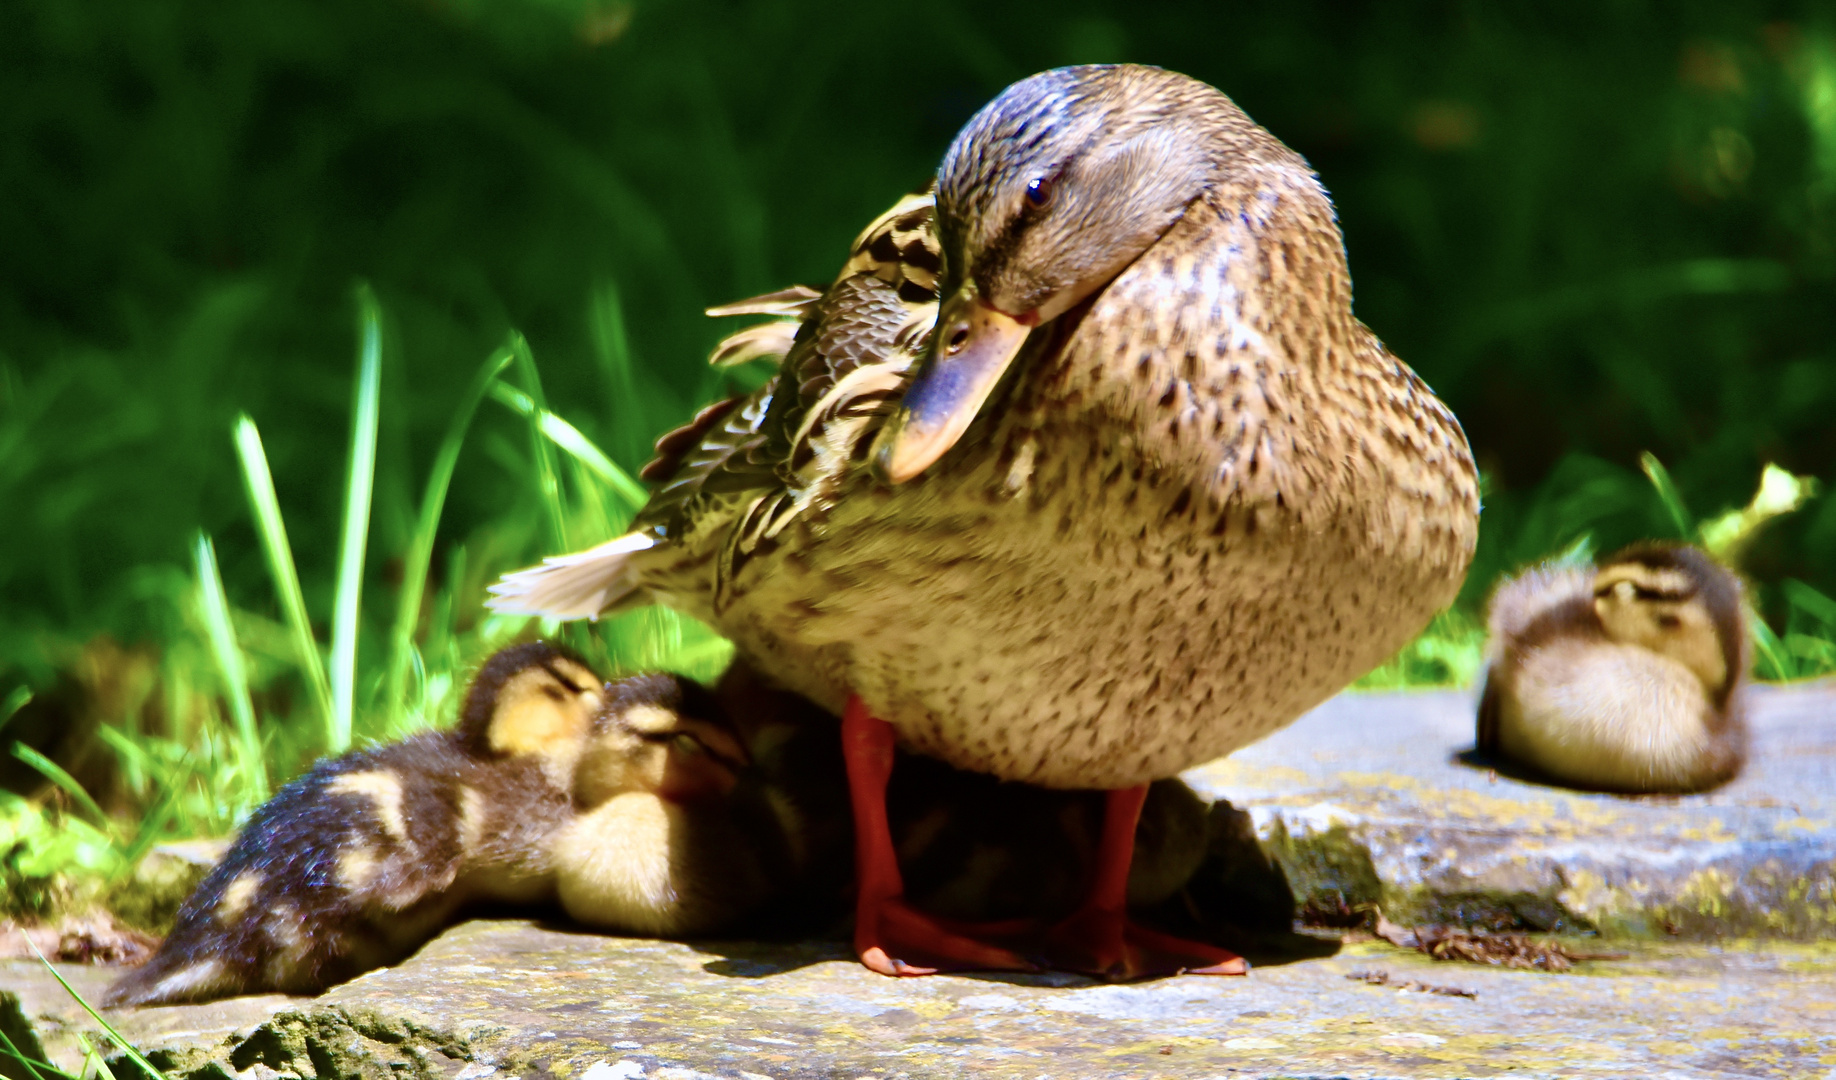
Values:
[(1646, 592), (563, 679), (663, 738)]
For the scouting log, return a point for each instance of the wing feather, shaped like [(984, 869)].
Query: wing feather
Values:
[(738, 474)]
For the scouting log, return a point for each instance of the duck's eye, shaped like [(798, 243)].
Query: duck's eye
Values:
[(1039, 191), (687, 744)]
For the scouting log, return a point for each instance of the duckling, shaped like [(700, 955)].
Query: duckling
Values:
[(1629, 677), (674, 833), (362, 858), (1082, 472)]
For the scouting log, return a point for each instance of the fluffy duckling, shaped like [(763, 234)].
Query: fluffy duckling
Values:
[(675, 832), (1628, 677), (360, 860)]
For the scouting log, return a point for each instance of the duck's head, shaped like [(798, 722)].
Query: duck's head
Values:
[(662, 735), (536, 699), (1048, 193), (1678, 602)]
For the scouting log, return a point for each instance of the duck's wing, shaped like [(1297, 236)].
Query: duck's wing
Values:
[(850, 353), (741, 470)]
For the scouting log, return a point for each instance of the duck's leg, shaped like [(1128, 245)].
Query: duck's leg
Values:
[(1100, 939), (889, 936)]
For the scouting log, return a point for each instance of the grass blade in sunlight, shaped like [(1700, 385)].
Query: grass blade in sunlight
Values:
[(13, 703), (93, 1064), (40, 1070), (360, 479), (612, 347), (420, 548), (214, 608), (548, 475), (127, 1048), (1670, 496), (259, 483), (154, 823), (574, 441), (66, 783)]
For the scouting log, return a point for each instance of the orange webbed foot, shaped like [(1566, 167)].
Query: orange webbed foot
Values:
[(1111, 946), (893, 938)]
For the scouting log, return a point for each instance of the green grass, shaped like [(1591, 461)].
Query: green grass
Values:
[(408, 682), (1598, 233)]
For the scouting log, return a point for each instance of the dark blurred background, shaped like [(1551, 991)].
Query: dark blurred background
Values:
[(1596, 229)]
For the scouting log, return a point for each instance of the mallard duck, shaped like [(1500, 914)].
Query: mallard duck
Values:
[(1138, 490), (1629, 677)]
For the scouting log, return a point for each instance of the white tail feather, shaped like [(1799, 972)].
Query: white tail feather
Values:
[(576, 586), (794, 302), (765, 341)]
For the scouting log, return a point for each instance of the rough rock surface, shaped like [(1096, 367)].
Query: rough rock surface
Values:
[(1363, 800), (1368, 798), (512, 999)]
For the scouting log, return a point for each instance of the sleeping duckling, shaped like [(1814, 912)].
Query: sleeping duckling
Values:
[(1626, 678), (675, 832), (363, 858)]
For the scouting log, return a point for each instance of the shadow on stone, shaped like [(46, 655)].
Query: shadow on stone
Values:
[(1474, 758), (1239, 898), (762, 959), (17, 1040)]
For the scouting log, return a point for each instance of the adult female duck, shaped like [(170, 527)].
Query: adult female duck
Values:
[(1148, 492)]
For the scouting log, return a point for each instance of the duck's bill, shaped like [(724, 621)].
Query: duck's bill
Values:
[(971, 349)]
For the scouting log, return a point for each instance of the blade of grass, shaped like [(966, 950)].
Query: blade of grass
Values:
[(14, 702), (1810, 601), (548, 475), (55, 773), (360, 478), (420, 548), (259, 483), (156, 821), (128, 748), (1670, 497), (222, 632), (574, 441), (36, 1067), (149, 833), (93, 1060), (612, 347), (127, 1048), (1772, 651)]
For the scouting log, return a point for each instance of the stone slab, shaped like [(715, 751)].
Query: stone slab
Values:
[(1446, 839), (491, 1000), (1376, 778)]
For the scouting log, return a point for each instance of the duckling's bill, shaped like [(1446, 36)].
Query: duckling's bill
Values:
[(973, 347)]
